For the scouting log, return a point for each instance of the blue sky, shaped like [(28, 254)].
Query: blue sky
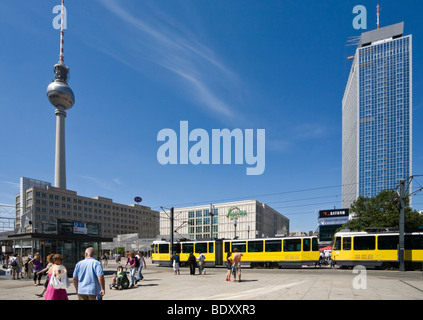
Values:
[(141, 66)]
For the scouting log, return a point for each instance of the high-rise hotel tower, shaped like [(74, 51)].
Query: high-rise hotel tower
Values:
[(377, 114)]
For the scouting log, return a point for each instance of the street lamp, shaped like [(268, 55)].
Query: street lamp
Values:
[(235, 223)]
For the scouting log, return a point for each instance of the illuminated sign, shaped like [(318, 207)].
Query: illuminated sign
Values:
[(333, 213), (235, 212)]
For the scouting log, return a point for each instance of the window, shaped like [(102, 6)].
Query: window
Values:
[(211, 247), (241, 246), (314, 244), (227, 247), (337, 244), (413, 242), (187, 247), (387, 242), (273, 245), (364, 243), (306, 245), (346, 243), (255, 246), (292, 245), (164, 248), (201, 247)]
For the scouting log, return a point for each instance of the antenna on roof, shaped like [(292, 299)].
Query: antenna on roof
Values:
[(377, 16), (62, 32)]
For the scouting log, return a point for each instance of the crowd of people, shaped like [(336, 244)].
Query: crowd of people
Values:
[(88, 275)]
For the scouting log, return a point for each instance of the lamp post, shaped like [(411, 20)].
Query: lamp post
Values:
[(235, 223)]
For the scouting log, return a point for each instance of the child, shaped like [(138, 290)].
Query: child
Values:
[(118, 275)]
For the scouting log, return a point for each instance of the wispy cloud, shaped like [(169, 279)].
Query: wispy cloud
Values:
[(169, 44), (102, 183)]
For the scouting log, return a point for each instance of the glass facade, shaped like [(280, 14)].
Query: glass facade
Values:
[(384, 115), (377, 115)]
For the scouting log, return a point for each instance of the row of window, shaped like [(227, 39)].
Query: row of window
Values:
[(411, 242), (288, 245)]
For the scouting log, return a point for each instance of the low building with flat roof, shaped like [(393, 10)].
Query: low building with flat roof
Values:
[(243, 219)]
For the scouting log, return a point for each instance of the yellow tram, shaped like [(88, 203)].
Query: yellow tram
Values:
[(269, 252), (378, 249)]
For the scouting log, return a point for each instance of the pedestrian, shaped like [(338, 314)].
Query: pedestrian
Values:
[(59, 271), (46, 269), (142, 264), (88, 277), (132, 261), (36, 261), (237, 264), (175, 264), (192, 261), (14, 264), (201, 262), (26, 267), (20, 266), (229, 263)]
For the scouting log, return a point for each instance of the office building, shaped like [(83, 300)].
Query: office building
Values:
[(377, 114), (243, 219), (44, 206)]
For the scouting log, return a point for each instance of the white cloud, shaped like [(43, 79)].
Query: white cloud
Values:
[(172, 46)]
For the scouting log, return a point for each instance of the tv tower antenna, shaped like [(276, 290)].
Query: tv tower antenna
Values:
[(377, 9), (62, 98)]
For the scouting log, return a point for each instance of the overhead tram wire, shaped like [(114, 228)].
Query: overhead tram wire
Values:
[(254, 196)]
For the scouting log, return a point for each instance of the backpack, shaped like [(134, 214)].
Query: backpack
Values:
[(15, 263), (137, 262)]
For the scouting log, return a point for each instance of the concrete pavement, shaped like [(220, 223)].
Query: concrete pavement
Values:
[(324, 283)]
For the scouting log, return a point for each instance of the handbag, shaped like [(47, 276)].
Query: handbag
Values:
[(59, 281)]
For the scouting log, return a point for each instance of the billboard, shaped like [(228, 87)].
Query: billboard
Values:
[(333, 213)]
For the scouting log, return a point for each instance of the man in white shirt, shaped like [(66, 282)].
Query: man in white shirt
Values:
[(201, 262)]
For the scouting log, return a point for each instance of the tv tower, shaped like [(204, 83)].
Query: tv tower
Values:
[(62, 98)]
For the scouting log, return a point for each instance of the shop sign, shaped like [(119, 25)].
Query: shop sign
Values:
[(80, 228), (235, 212)]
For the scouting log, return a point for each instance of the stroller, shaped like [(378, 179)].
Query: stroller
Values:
[(121, 283)]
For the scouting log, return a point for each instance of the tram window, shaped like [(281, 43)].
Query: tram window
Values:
[(414, 242), (273, 245), (164, 248), (364, 243), (187, 247), (387, 242), (201, 247), (346, 243), (337, 245), (211, 247), (227, 247), (292, 245), (314, 244), (241, 246), (306, 244), (255, 246), (176, 248)]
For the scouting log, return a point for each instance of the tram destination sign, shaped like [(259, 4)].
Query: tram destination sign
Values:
[(333, 213)]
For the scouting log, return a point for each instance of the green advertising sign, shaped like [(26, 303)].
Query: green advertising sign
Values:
[(235, 212)]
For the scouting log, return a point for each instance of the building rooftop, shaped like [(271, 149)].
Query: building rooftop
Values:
[(392, 31)]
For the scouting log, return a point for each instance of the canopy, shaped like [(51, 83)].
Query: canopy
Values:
[(326, 248)]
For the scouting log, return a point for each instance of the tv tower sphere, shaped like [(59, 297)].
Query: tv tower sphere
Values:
[(58, 92)]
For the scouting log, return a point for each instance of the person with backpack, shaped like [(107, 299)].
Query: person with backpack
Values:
[(201, 263), (14, 264)]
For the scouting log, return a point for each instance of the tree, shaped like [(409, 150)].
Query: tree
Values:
[(382, 211)]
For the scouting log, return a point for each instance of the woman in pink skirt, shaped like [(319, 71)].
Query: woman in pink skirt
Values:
[(52, 293)]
